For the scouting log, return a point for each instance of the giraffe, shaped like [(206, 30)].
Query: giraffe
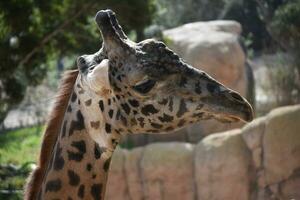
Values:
[(124, 88)]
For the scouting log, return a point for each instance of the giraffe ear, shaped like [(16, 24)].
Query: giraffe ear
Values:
[(98, 78)]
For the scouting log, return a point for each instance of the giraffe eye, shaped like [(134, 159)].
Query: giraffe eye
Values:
[(144, 86)]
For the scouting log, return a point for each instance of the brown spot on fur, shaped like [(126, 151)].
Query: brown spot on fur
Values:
[(88, 102), (95, 125)]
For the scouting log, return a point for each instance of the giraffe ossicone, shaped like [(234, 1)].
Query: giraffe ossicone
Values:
[(124, 88)]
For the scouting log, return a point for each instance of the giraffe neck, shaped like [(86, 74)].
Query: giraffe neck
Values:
[(81, 157)]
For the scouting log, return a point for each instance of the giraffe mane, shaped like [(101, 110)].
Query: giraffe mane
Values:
[(51, 133)]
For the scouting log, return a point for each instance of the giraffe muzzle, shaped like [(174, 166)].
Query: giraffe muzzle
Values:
[(229, 106)]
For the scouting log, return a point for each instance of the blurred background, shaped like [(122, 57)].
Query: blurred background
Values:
[(252, 46)]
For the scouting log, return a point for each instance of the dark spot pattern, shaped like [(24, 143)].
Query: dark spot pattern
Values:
[(166, 118), (101, 105), (171, 104), (88, 102), (133, 103), (163, 102), (155, 125), (114, 142), (80, 192), (126, 108), (107, 128), (111, 113), (118, 114), (96, 191), (74, 179), (64, 129), (69, 109), (53, 185), (149, 109), (182, 108), (89, 167), (98, 151), (77, 125), (141, 121), (73, 97), (95, 124), (81, 150), (58, 160), (106, 164)]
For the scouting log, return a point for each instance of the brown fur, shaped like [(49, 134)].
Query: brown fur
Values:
[(51, 133)]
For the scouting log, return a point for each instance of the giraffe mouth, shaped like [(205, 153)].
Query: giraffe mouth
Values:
[(228, 119)]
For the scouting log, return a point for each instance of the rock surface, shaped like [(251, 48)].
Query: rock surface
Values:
[(261, 161), (223, 166)]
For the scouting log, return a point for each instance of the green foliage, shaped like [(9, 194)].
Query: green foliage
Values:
[(285, 25), (18, 150), (12, 180), (20, 146), (33, 32), (173, 13)]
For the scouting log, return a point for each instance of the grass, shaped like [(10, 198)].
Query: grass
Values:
[(20, 146)]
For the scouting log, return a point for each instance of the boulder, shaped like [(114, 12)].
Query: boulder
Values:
[(168, 171), (134, 173), (222, 163), (117, 178), (281, 144), (252, 134), (289, 189)]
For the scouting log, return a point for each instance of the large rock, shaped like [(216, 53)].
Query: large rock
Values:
[(168, 171), (117, 180), (253, 136), (223, 167), (134, 173), (281, 144)]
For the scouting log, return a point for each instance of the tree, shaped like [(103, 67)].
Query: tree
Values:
[(34, 31)]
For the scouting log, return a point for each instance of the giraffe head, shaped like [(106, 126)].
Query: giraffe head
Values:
[(152, 88)]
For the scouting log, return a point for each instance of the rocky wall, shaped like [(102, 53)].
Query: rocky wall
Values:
[(261, 161)]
